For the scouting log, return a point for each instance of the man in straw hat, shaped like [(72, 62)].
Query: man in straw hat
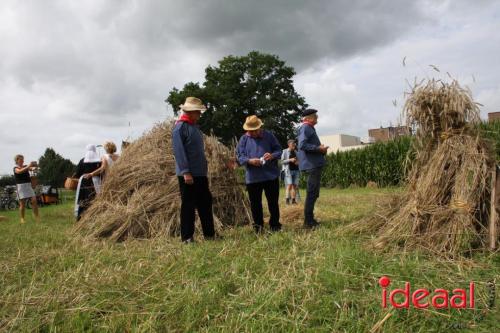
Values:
[(191, 168), (259, 151), (311, 157)]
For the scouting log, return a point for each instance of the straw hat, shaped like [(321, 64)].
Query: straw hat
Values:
[(193, 104), (252, 123)]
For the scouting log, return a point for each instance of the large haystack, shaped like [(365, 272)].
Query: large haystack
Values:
[(445, 206), (140, 196)]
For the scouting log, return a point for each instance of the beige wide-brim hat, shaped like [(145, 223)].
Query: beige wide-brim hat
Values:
[(193, 104), (252, 123)]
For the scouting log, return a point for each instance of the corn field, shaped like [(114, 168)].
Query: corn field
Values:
[(491, 131), (382, 163)]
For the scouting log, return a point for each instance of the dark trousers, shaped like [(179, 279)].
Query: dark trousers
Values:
[(271, 189), (313, 185), (196, 197)]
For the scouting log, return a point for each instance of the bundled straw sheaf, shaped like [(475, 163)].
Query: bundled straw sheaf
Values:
[(445, 206), (140, 196)]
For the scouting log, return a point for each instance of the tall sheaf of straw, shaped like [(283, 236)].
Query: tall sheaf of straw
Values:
[(444, 208)]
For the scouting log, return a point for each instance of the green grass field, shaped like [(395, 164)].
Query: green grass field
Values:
[(293, 281)]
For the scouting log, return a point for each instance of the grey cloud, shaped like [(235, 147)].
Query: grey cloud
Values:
[(116, 54), (94, 65), (300, 31)]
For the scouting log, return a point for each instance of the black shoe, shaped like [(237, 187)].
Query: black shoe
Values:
[(276, 229), (188, 241), (287, 201), (294, 202), (312, 225)]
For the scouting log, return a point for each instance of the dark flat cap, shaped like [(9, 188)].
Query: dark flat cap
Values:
[(308, 112)]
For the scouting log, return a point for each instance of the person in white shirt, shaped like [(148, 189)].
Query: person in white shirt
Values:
[(107, 160)]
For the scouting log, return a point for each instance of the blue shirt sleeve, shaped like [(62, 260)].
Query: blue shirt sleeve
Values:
[(180, 151), (240, 151), (275, 147), (304, 136)]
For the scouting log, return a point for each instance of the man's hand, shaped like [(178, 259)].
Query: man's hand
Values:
[(293, 160), (323, 149), (268, 156), (255, 162), (188, 179), (87, 176)]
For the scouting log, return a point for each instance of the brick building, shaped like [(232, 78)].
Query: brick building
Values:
[(493, 116), (384, 134)]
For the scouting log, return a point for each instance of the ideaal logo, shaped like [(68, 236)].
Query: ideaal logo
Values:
[(439, 298)]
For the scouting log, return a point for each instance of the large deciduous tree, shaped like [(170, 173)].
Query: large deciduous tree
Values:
[(54, 168), (255, 84)]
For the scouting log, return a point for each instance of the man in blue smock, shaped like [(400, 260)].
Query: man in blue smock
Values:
[(311, 157), (191, 168), (259, 151)]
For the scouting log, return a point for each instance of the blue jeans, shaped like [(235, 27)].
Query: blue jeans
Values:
[(292, 178), (313, 185)]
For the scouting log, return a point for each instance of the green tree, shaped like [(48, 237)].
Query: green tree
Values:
[(7, 180), (255, 84), (54, 168)]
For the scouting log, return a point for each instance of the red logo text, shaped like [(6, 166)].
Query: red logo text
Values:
[(423, 298)]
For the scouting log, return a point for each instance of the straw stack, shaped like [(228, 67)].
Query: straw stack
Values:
[(445, 207), (140, 196)]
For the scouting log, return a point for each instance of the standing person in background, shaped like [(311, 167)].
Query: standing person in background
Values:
[(24, 188), (107, 160), (89, 184), (292, 174), (259, 151), (311, 156), (191, 168)]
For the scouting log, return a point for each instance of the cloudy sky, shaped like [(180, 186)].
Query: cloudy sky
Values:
[(79, 72)]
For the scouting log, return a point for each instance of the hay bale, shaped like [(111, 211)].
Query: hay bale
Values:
[(3, 218), (140, 195), (371, 184), (445, 206), (292, 214)]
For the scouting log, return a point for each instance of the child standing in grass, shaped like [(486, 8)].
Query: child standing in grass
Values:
[(292, 173)]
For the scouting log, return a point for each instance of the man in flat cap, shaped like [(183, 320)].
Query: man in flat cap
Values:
[(191, 168), (311, 156)]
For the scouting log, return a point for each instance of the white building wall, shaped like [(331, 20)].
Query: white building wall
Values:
[(339, 142)]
